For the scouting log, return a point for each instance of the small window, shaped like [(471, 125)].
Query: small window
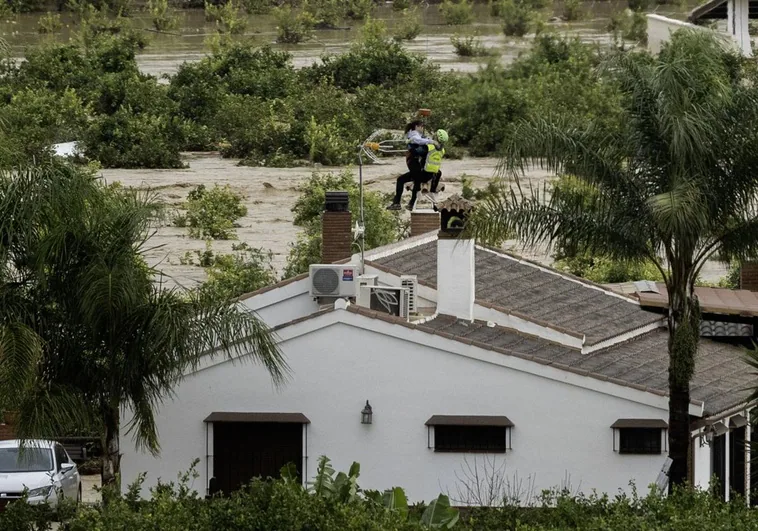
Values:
[(640, 440), (469, 439)]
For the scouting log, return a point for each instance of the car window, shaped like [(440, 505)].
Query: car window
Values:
[(60, 455), (28, 460)]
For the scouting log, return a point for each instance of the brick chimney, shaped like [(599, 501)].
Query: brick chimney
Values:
[(456, 280), (336, 228), (423, 221), (749, 276)]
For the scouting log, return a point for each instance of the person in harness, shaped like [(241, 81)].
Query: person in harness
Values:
[(424, 161)]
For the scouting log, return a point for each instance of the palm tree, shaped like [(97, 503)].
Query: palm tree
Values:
[(675, 183), (86, 331)]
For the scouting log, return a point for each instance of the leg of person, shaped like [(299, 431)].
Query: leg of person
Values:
[(404, 178), (435, 182), (417, 181)]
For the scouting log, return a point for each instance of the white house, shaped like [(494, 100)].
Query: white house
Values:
[(559, 381), (731, 18)]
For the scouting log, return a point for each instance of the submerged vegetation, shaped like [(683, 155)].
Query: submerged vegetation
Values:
[(251, 102)]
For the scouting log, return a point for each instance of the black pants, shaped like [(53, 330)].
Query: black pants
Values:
[(417, 178)]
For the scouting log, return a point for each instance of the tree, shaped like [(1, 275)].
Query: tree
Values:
[(674, 183), (85, 330)]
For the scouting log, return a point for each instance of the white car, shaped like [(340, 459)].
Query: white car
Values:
[(42, 468)]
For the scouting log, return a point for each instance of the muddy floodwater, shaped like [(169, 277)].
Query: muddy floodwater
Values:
[(189, 43), (270, 193)]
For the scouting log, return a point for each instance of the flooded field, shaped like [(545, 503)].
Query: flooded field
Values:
[(269, 195), (167, 51)]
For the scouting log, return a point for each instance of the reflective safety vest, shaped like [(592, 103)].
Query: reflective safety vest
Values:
[(434, 159)]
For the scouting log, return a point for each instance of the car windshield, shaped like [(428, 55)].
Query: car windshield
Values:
[(26, 460)]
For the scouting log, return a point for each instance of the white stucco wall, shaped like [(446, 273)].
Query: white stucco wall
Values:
[(702, 462), (562, 432), (284, 304)]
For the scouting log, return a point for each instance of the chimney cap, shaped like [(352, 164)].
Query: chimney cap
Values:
[(336, 201), (453, 213), (455, 202)]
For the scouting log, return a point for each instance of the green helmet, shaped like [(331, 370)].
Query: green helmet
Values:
[(442, 135)]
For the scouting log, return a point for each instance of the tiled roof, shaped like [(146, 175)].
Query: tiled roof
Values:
[(721, 379), (533, 291)]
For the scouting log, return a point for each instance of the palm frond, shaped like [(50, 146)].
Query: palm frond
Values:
[(20, 355)]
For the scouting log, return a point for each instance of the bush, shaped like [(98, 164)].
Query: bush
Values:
[(245, 270), (212, 213), (326, 14), (373, 61), (49, 23), (401, 5), (292, 27), (36, 118), (518, 17), (573, 10), (628, 25), (604, 270), (468, 46), (162, 15), (409, 26), (258, 7), (456, 12), (227, 16), (359, 9)]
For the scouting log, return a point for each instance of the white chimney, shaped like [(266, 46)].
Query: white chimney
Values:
[(456, 283), (455, 277)]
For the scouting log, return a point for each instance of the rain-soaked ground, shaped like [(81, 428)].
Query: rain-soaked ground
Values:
[(270, 193)]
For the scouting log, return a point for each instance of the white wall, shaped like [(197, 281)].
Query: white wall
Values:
[(702, 462), (660, 28), (284, 304), (562, 432)]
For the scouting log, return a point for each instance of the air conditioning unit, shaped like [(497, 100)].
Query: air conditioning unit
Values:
[(330, 280), (411, 283), (386, 299), (366, 280)]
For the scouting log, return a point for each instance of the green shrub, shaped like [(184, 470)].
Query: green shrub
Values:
[(227, 16), (212, 213), (573, 10), (456, 12), (244, 270), (129, 139), (326, 14), (258, 7), (49, 23), (163, 17), (604, 270), (628, 25), (359, 9), (36, 118), (292, 27), (468, 46), (518, 17), (376, 61), (409, 27), (401, 5)]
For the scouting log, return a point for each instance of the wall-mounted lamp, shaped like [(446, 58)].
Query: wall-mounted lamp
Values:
[(367, 414), (711, 431)]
